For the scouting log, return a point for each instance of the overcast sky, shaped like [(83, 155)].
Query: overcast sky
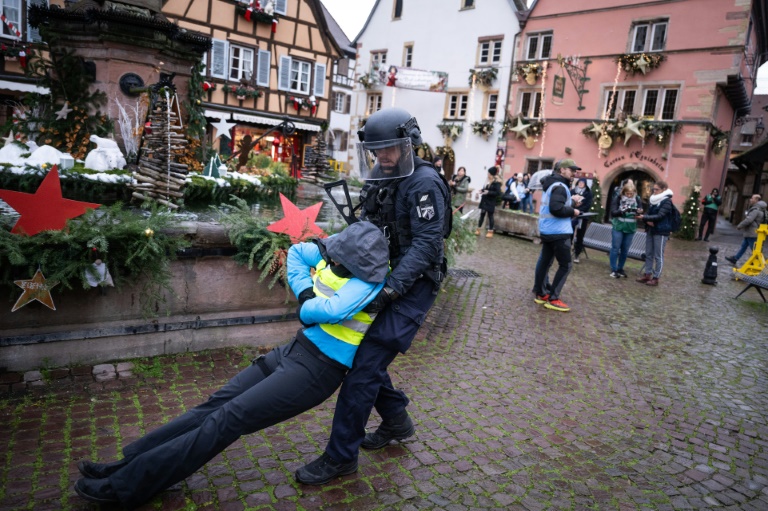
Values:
[(351, 16)]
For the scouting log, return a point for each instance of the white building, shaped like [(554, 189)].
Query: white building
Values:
[(342, 81), (450, 36)]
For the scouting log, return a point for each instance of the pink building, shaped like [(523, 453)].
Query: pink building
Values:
[(633, 89)]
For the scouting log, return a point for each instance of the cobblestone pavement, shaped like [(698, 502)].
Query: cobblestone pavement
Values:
[(640, 398)]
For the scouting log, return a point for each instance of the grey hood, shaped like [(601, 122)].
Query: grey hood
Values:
[(362, 249)]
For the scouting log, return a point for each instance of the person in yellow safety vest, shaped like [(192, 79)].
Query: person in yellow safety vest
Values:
[(350, 269)]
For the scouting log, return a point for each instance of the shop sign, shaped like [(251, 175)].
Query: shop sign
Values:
[(638, 155)]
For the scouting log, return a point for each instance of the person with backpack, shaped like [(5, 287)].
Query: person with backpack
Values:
[(662, 219), (510, 199), (709, 213), (756, 215)]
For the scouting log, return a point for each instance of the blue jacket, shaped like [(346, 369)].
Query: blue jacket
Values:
[(347, 302), (422, 200)]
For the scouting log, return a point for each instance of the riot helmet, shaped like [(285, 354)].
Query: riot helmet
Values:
[(386, 145)]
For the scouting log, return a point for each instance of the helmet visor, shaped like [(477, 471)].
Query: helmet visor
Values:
[(385, 159)]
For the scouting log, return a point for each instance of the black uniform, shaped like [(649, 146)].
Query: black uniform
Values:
[(418, 208)]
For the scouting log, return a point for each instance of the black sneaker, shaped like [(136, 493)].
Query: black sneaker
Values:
[(731, 260), (621, 274), (93, 470), (323, 469), (398, 428), (96, 490), (615, 274)]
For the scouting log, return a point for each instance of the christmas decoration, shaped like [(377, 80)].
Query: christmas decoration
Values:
[(521, 128), (208, 86), (450, 130), (298, 224), (690, 216), (597, 201), (299, 103), (445, 152), (483, 128), (254, 12), (195, 152), (10, 138), (640, 62), (35, 289), (530, 72), (98, 274), (243, 91), (212, 168), (46, 209), (608, 131), (719, 139), (223, 127), (482, 77), (64, 112), (312, 105), (23, 59), (633, 128), (317, 167), (160, 177)]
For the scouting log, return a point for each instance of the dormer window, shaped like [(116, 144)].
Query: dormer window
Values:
[(649, 36)]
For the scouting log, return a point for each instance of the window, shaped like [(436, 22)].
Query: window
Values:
[(33, 34), (457, 106), (747, 139), (281, 7), (467, 4), (397, 10), (339, 140), (492, 105), (341, 102), (294, 76), (539, 46), (530, 104), (651, 36), (12, 12), (408, 55), (378, 59), (240, 62), (534, 165), (489, 52), (657, 103), (373, 104)]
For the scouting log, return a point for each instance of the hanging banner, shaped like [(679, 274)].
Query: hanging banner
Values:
[(558, 89), (415, 79)]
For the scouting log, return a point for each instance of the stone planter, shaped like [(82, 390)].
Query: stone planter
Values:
[(215, 303), (516, 223)]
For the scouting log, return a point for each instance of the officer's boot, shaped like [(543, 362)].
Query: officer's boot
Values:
[(397, 428)]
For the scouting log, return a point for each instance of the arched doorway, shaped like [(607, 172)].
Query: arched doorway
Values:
[(642, 178)]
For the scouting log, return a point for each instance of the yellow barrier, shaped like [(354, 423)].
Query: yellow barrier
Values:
[(756, 261)]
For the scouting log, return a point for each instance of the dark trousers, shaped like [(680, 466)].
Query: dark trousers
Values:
[(368, 384), (287, 381), (708, 218), (581, 230), (551, 250), (482, 218)]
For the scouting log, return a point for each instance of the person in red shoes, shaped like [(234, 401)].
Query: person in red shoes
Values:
[(556, 232)]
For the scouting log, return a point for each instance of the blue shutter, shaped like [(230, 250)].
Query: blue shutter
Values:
[(284, 74), (262, 69), (219, 58), (319, 89)]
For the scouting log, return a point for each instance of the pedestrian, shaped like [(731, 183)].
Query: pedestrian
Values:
[(756, 215), (581, 223), (411, 202), (459, 188), (526, 202), (510, 199), (350, 269), (709, 213), (624, 210), (438, 163), (556, 232), (489, 193), (658, 225)]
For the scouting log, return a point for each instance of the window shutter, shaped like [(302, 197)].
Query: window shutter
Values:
[(284, 78), (319, 89), (281, 7), (262, 73), (219, 61), (344, 138), (33, 34), (348, 104)]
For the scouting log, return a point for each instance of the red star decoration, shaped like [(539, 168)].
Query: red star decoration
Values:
[(35, 288), (298, 224), (46, 209)]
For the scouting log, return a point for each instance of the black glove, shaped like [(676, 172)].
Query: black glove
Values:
[(298, 314), (305, 295), (384, 298)]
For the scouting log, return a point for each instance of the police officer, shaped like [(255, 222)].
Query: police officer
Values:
[(407, 198)]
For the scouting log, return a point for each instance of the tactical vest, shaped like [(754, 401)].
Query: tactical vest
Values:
[(352, 330), (549, 223)]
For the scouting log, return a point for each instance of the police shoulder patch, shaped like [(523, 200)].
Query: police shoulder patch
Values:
[(425, 208)]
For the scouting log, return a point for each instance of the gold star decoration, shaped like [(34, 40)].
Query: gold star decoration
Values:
[(632, 128), (35, 288), (521, 129), (642, 64), (597, 129)]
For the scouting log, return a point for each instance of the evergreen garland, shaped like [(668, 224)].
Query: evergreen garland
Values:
[(134, 247), (195, 153), (597, 201), (67, 77), (690, 216)]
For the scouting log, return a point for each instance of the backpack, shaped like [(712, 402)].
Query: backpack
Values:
[(675, 219)]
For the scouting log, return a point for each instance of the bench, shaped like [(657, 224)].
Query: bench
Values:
[(598, 237), (759, 282)]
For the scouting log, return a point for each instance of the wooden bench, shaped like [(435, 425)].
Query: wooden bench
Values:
[(598, 237), (759, 282)]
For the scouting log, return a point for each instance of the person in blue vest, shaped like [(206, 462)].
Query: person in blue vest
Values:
[(350, 269), (556, 231), (406, 198)]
